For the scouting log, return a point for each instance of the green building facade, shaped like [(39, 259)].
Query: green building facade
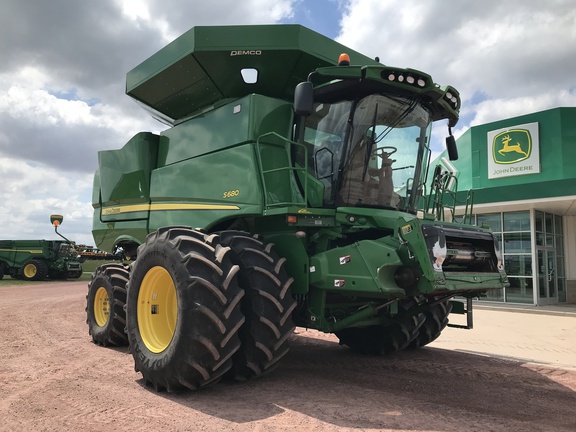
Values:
[(522, 171)]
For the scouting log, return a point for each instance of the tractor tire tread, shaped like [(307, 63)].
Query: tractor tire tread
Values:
[(114, 277), (209, 298), (267, 306), (435, 322)]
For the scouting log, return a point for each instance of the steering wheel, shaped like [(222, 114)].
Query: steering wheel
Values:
[(385, 152)]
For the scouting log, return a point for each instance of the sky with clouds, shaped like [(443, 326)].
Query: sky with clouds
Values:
[(63, 66)]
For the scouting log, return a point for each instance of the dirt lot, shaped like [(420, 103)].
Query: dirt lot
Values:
[(52, 378)]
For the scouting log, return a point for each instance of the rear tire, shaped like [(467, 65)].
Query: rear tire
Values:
[(267, 305), (384, 339), (34, 270), (74, 274), (436, 321), (183, 309), (105, 302)]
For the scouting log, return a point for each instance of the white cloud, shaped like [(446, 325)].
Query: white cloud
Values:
[(40, 107), (32, 192), (501, 48), (135, 9), (506, 58), (497, 109)]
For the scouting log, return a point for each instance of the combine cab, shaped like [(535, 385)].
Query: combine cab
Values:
[(301, 172)]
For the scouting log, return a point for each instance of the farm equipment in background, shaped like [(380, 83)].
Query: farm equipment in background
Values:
[(91, 253), (36, 260), (301, 171)]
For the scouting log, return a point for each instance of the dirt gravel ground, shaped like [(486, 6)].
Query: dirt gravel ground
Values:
[(52, 378)]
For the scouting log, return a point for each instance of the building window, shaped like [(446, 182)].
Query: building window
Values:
[(517, 252), (494, 222), (550, 238), (513, 232), (559, 242)]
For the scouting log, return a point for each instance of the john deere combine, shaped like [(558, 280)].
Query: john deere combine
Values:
[(285, 193), (36, 260)]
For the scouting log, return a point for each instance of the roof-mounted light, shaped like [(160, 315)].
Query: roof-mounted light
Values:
[(404, 77), (344, 60), (453, 99)]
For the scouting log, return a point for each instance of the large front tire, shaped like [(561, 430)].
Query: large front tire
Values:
[(105, 314), (267, 305), (183, 309), (34, 270)]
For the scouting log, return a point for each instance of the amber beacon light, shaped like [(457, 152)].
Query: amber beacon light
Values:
[(344, 60)]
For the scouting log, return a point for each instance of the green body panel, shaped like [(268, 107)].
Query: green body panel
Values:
[(111, 234), (364, 267), (202, 67), (230, 161), (124, 177), (164, 180), (245, 120), (58, 256)]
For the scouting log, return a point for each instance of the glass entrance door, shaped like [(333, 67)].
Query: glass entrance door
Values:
[(547, 276)]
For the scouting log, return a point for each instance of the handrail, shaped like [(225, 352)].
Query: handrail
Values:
[(445, 184), (262, 141)]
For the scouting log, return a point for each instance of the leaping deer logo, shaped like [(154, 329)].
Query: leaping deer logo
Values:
[(507, 148)]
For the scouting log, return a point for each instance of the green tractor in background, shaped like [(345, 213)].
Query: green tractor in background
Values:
[(36, 260), (285, 193)]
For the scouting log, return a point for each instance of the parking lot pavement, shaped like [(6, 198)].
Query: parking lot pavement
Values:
[(541, 335)]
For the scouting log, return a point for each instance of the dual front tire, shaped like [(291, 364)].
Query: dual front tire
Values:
[(267, 305), (199, 307), (183, 309)]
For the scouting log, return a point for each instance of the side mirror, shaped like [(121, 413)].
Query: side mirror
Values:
[(303, 98), (451, 147)]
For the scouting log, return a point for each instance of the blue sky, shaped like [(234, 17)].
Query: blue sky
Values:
[(322, 16), (64, 64)]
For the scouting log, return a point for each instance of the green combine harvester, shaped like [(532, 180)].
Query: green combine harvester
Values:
[(36, 260), (285, 193)]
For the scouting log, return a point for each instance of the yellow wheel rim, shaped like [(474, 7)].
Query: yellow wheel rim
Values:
[(157, 309), (101, 307), (30, 271)]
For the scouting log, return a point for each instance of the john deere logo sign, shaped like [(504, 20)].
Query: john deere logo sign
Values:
[(511, 146), (513, 151)]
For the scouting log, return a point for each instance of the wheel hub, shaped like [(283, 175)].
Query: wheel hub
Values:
[(30, 271), (157, 309), (101, 307)]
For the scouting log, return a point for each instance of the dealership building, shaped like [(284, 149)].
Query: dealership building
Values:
[(522, 172)]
